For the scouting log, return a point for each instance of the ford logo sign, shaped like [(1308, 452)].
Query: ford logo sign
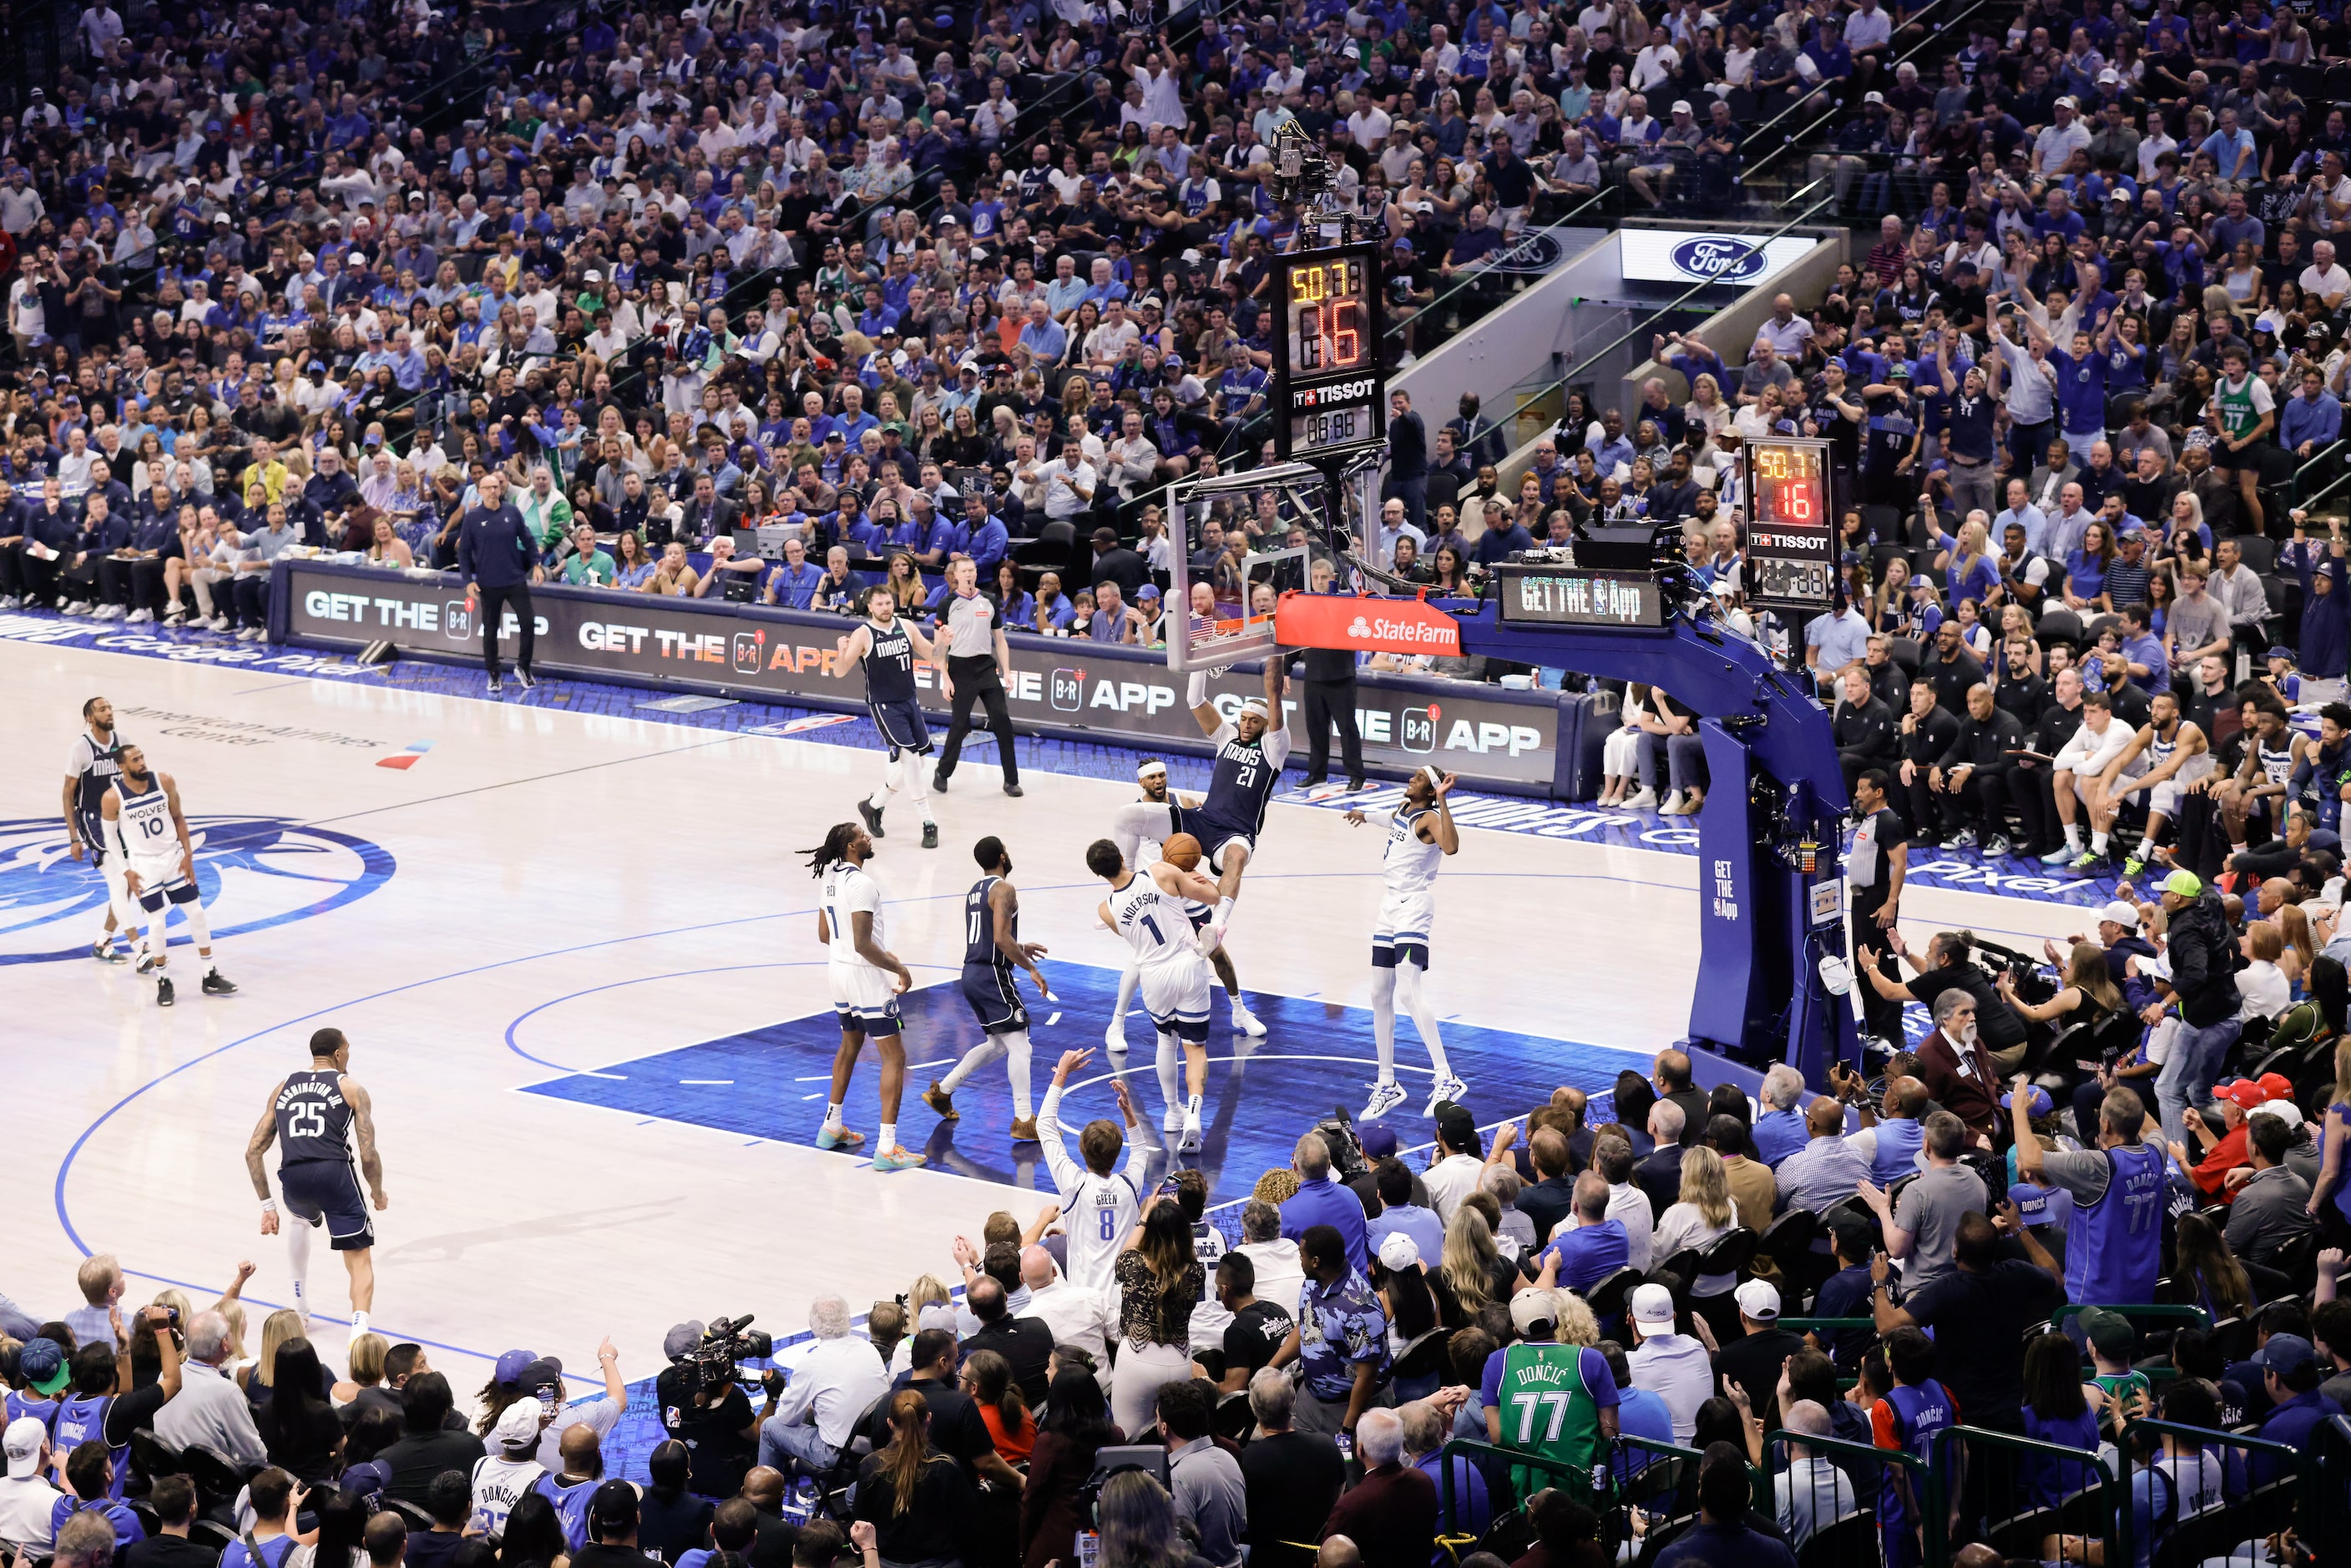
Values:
[(1536, 251), (1718, 258)]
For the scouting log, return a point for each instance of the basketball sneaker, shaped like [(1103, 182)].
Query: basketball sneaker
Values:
[(1386, 1095), (897, 1159), (930, 835), (106, 952), (834, 1135), (1246, 1021), (218, 984), (163, 997), (939, 1100), (873, 816), (1024, 1129), (1446, 1087)]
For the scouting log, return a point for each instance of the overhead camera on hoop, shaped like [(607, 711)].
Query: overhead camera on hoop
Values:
[(1299, 171), (722, 1344)]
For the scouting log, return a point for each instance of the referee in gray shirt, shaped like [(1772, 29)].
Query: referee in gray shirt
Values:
[(978, 659)]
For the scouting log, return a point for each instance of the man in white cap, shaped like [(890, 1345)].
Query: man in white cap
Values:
[(511, 1468), (25, 1496), (2118, 934), (1753, 1362), (1674, 1366)]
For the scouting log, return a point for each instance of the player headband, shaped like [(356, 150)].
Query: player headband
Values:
[(1429, 772), (1151, 770), (1256, 706)]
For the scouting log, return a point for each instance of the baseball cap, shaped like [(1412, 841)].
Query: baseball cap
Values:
[(613, 1507), (1398, 1250), (2037, 1103), (2118, 194), (2109, 1332), (937, 1315), (546, 1369), (1758, 1301), (2032, 1202), (1533, 1310), (517, 1425), (2244, 1094), (2274, 1086), (2285, 1110), (1148, 590), (676, 1342), (2122, 912), (1377, 1143), (1454, 1122), (1870, 98), (42, 1364), (2109, 74), (2283, 1352), (23, 1441), (2280, 653), (1681, 105), (508, 1372), (1653, 1306), (2186, 884)]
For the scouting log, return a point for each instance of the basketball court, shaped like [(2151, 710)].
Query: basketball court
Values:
[(574, 947)]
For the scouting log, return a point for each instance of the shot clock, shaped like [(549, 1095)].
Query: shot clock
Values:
[(1329, 390), (1792, 560)]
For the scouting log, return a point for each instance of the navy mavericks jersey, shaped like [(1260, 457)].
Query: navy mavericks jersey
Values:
[(314, 1121), (94, 767), (979, 948), (1244, 780), (889, 664)]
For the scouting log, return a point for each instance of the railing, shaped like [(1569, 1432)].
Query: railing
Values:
[(2153, 1312), (2314, 469), (1473, 292), (1993, 1464), (1809, 100), (1632, 334), (2262, 1484)]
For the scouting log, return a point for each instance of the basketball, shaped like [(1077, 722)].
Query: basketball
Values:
[(1182, 852)]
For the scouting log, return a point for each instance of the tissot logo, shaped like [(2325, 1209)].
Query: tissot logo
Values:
[(1335, 392)]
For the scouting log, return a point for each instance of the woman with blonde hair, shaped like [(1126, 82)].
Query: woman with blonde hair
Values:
[(1469, 1261), (927, 1291), (1889, 602), (1702, 1216), (1706, 411), (2301, 948), (278, 1327), (1967, 563)]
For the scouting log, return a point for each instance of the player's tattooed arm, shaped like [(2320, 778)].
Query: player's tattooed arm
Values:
[(363, 1127), (257, 1148)]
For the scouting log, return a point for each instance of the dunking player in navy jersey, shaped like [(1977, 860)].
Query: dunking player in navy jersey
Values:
[(1421, 833), (1250, 750), (315, 1117), (992, 947), (887, 647), (90, 767), (147, 834), (1152, 777)]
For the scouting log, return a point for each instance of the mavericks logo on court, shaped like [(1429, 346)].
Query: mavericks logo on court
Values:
[(252, 872)]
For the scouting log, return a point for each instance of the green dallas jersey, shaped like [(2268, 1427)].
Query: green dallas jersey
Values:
[(2238, 405), (1547, 1411)]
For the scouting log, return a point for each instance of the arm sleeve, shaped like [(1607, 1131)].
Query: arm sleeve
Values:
[(1065, 1170)]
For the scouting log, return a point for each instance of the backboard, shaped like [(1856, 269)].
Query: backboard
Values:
[(1234, 557)]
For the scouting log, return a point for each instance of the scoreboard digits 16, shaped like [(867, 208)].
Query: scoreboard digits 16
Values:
[(1328, 390)]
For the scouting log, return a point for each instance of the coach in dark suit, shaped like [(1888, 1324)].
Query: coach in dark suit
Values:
[(500, 561)]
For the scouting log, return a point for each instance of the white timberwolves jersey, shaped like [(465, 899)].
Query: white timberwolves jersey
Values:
[(1154, 925)]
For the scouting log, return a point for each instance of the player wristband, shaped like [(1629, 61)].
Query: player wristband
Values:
[(268, 1206)]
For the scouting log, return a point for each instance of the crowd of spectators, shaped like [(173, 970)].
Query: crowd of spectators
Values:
[(1288, 1384)]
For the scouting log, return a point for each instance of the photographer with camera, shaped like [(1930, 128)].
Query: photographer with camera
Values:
[(1948, 964), (704, 1408)]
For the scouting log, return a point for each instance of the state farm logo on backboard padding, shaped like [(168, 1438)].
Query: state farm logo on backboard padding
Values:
[(1365, 625)]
